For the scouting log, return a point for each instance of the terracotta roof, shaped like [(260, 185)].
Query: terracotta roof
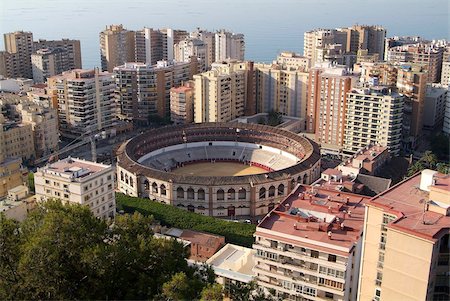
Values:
[(311, 212), (407, 202)]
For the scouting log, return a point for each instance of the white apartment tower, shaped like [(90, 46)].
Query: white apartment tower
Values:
[(229, 46), (85, 101), (78, 181), (221, 94), (373, 116)]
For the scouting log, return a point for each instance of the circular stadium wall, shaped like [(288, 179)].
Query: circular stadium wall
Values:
[(249, 167)]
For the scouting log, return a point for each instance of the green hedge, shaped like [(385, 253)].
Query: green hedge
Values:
[(236, 233)]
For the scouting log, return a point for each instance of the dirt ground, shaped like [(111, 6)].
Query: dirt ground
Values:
[(218, 169)]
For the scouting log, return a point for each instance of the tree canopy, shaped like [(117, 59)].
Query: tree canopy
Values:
[(64, 252)]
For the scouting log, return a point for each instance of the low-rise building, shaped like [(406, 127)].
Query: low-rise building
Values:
[(203, 245), (309, 246), (406, 242), (368, 160), (18, 203), (78, 181), (16, 139), (233, 265)]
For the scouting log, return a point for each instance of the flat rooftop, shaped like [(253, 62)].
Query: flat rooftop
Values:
[(73, 168), (309, 213), (407, 202), (234, 262)]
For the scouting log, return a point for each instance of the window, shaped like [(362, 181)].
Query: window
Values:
[(280, 189), (180, 193), (201, 194), (271, 191), (220, 195), (331, 258), (47, 182), (242, 193), (163, 189), (155, 188), (262, 193), (314, 254), (131, 182), (377, 294), (379, 278), (190, 194), (231, 194)]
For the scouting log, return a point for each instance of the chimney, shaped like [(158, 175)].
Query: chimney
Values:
[(342, 226), (329, 235)]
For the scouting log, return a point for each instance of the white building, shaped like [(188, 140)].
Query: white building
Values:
[(229, 46), (190, 48), (445, 74), (373, 116), (434, 107), (85, 101), (15, 85), (78, 181), (220, 94), (309, 246), (233, 264)]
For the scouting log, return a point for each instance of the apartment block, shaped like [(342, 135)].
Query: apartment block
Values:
[(411, 83), (282, 85), (16, 139), (229, 45), (85, 101), (12, 174), (117, 46), (331, 44), (78, 181), (15, 61), (309, 246), (209, 39), (327, 101), (153, 45), (445, 74), (190, 48), (446, 125), (71, 47), (143, 91), (373, 116), (221, 94), (377, 73), (434, 106), (47, 63), (428, 55), (182, 103), (406, 243)]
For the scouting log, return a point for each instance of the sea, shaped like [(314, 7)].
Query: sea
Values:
[(269, 26)]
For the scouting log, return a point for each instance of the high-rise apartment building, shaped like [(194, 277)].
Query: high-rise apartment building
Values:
[(446, 125), (209, 39), (190, 48), (78, 181), (117, 46), (405, 252), (445, 73), (327, 101), (434, 106), (15, 61), (373, 116), (221, 94), (71, 47), (382, 73), (282, 85), (153, 45), (229, 45), (411, 82), (85, 101), (323, 44), (309, 246), (428, 55), (182, 103), (49, 62), (143, 91)]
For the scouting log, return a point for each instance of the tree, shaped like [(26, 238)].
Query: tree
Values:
[(61, 251), (274, 118), (31, 181), (177, 288), (212, 292)]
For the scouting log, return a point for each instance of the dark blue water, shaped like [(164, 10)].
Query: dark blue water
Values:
[(269, 26)]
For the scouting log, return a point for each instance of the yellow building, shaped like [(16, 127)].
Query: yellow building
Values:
[(16, 139), (12, 175), (117, 46), (406, 244)]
